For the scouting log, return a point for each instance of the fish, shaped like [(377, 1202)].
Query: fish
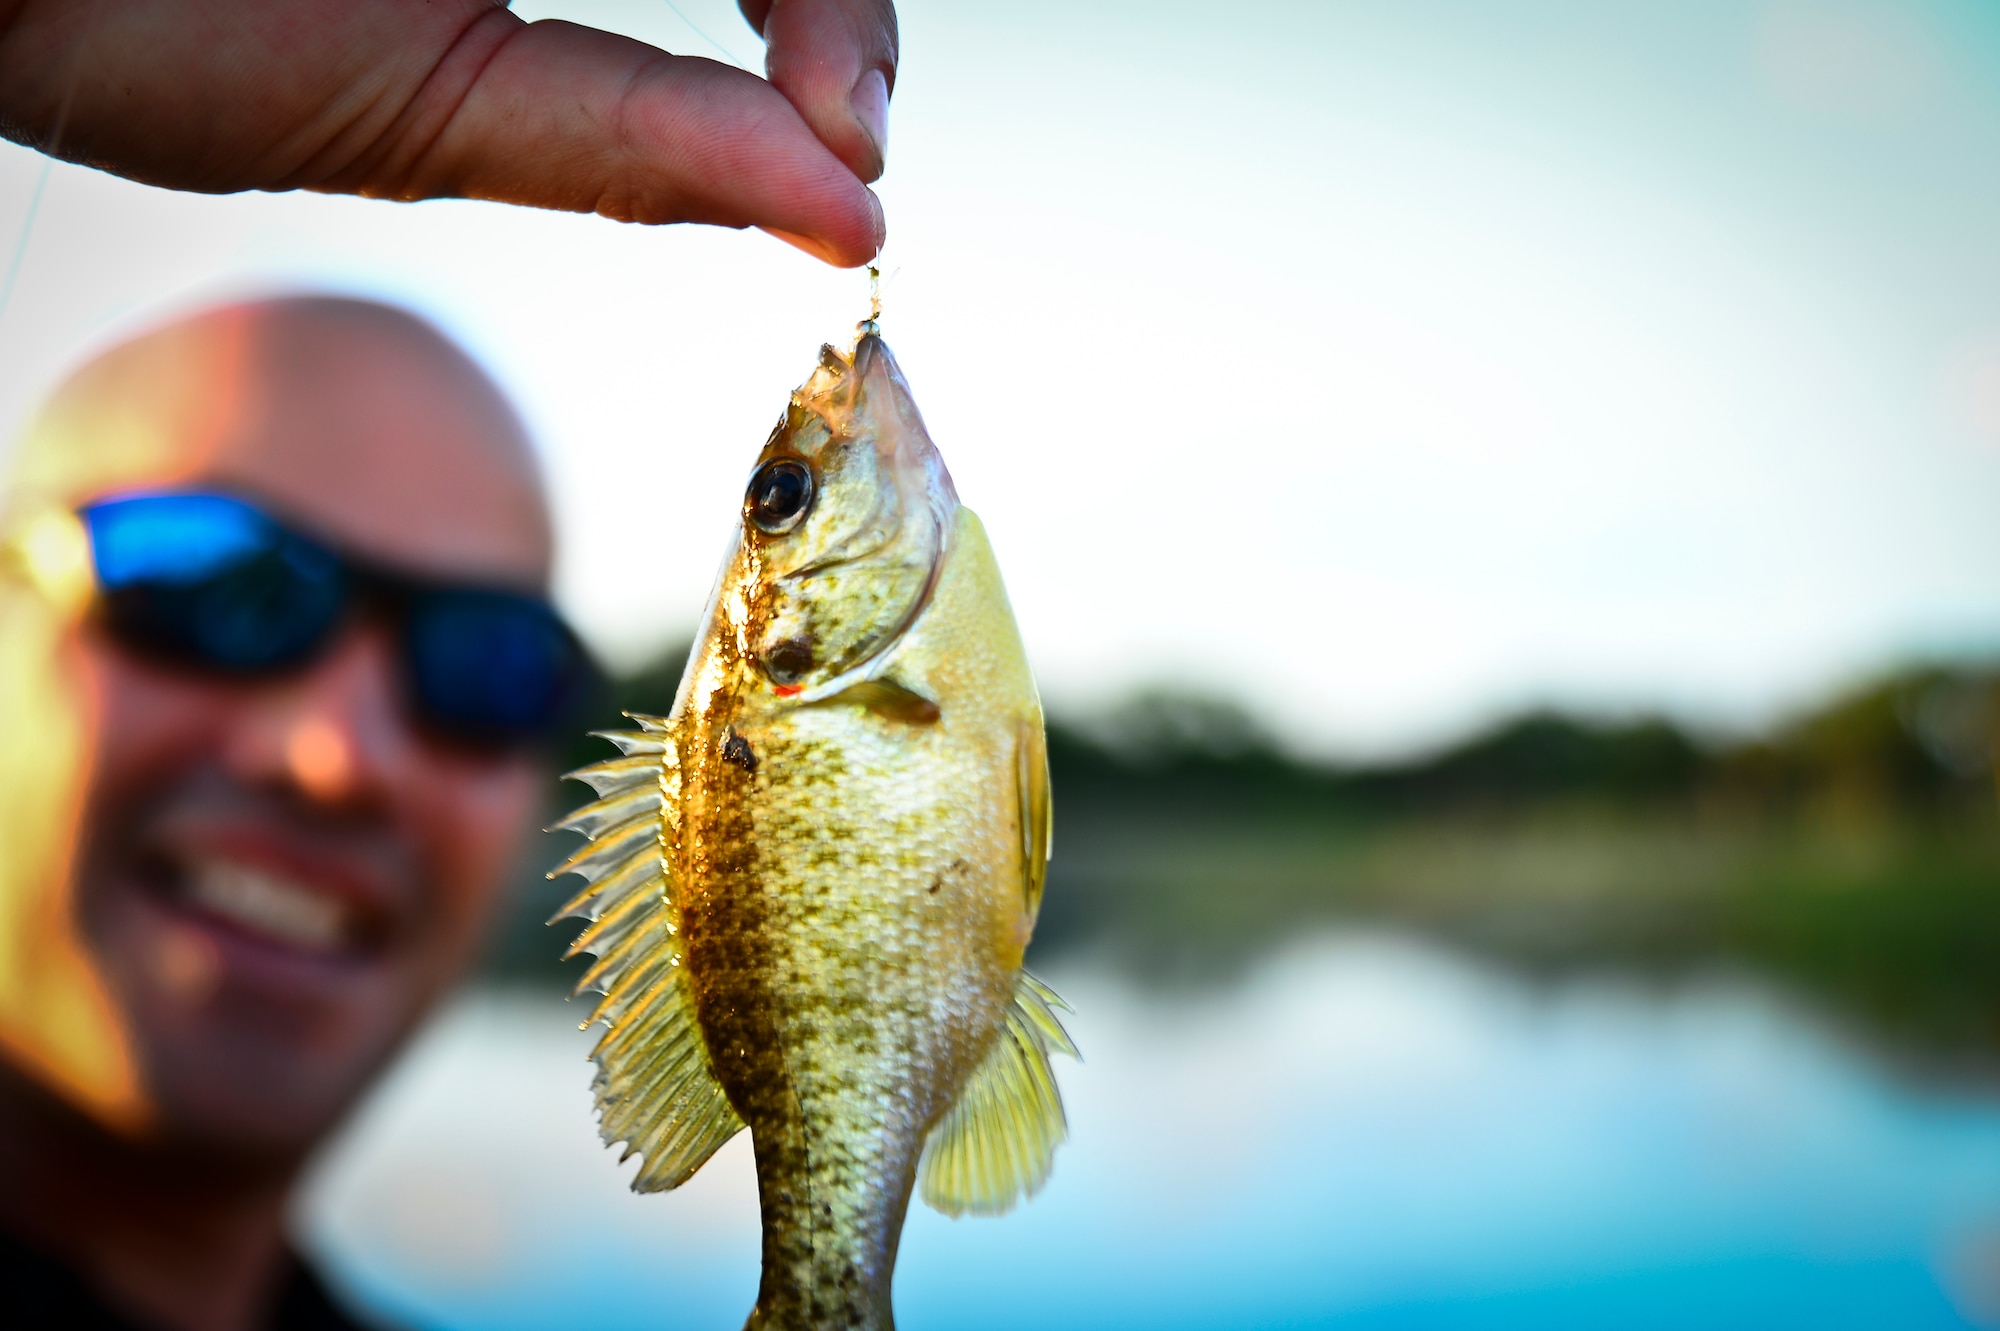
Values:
[(812, 883)]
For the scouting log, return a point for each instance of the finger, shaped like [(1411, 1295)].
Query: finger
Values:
[(836, 62), (560, 116)]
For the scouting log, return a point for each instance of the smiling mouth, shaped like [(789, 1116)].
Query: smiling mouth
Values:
[(273, 908)]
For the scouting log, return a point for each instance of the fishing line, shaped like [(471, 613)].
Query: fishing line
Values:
[(27, 226), (696, 29)]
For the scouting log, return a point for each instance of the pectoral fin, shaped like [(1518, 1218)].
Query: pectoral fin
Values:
[(656, 1090), (885, 697), (999, 1141)]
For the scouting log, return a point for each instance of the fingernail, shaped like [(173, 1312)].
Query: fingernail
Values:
[(881, 223), (870, 103)]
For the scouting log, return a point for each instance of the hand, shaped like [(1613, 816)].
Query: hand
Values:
[(423, 99)]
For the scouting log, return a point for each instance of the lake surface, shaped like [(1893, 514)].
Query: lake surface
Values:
[(1365, 1132)]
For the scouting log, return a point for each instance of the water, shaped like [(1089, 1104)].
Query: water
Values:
[(1365, 1133)]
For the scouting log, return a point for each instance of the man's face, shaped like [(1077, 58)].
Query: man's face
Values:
[(278, 875)]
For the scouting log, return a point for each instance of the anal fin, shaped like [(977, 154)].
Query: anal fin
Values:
[(999, 1141)]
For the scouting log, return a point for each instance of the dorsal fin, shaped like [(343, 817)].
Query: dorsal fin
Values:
[(656, 1091), (997, 1143)]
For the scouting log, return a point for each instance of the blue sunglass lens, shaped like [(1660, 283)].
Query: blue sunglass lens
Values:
[(491, 662), (209, 578), (212, 580), (173, 540)]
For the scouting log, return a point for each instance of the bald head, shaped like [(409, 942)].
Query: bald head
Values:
[(357, 419), (148, 805)]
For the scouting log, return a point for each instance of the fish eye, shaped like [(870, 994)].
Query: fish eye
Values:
[(780, 493)]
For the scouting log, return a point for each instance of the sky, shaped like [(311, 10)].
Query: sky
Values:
[(1383, 367)]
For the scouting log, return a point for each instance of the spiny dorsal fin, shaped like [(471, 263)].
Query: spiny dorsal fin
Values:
[(999, 1141), (655, 1089)]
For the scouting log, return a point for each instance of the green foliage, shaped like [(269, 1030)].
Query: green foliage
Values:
[(1854, 852)]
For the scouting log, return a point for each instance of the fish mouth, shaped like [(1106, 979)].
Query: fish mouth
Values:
[(856, 400)]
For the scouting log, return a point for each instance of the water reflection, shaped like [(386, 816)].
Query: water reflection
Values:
[(1365, 1131)]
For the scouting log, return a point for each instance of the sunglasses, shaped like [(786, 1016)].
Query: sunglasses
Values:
[(214, 582)]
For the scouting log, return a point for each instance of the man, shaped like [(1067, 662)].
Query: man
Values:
[(421, 99), (274, 660)]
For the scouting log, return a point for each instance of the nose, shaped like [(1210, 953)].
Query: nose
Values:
[(335, 734)]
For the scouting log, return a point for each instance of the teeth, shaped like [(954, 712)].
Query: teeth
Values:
[(263, 903)]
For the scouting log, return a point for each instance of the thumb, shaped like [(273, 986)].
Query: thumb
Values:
[(835, 60)]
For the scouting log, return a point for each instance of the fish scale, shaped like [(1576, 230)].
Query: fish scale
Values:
[(813, 882)]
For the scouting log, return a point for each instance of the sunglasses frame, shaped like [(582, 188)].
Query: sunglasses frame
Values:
[(366, 588)]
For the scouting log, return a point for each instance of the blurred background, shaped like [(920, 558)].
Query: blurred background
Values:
[(1504, 502)]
